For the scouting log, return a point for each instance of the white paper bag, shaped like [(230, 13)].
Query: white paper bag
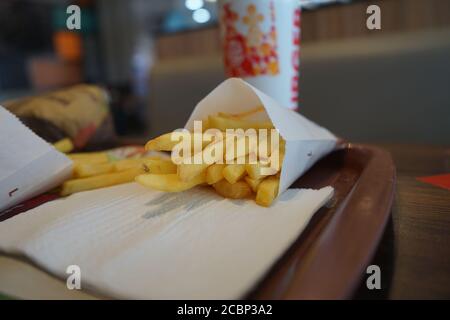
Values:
[(28, 165), (306, 142)]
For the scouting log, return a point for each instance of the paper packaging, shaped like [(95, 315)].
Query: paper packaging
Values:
[(306, 142), (28, 165), (133, 242)]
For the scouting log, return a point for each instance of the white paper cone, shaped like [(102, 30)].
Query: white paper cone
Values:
[(306, 142)]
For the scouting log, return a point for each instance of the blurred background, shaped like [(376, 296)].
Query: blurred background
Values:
[(158, 58)]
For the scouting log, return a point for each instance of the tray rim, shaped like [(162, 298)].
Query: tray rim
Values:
[(313, 280)]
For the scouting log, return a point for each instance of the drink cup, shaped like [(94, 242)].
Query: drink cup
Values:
[(261, 44)]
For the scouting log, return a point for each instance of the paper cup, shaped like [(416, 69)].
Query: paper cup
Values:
[(306, 142), (261, 44)]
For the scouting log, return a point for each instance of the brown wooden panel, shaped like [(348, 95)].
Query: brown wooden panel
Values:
[(327, 23)]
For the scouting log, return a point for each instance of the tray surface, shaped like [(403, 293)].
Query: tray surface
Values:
[(329, 258)]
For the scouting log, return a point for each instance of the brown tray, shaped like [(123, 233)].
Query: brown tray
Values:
[(329, 258)]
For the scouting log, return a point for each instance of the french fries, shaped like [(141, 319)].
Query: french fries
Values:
[(169, 182), (95, 170), (162, 143), (223, 124), (167, 142), (242, 114), (254, 170), (99, 181), (238, 190), (232, 180), (125, 164), (83, 170), (240, 146), (160, 166), (214, 173), (188, 172), (238, 166), (233, 172), (253, 183), (64, 145), (267, 191)]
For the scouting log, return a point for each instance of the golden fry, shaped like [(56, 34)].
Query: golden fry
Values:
[(205, 124), (240, 146), (242, 114), (267, 191), (234, 172), (214, 173), (169, 182), (92, 157), (238, 190), (253, 183), (270, 146), (254, 170), (84, 170), (64, 145), (226, 115), (125, 164), (165, 142), (261, 170), (222, 124), (187, 172), (100, 181), (160, 166)]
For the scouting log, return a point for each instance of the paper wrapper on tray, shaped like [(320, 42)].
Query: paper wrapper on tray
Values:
[(29, 165), (306, 142)]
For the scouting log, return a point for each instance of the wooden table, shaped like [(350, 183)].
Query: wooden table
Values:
[(414, 253)]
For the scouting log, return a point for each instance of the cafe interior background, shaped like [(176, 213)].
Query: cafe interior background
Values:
[(159, 58)]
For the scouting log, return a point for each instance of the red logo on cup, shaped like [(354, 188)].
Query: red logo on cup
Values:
[(253, 53)]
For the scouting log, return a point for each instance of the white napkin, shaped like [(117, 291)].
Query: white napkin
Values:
[(132, 242), (28, 165)]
